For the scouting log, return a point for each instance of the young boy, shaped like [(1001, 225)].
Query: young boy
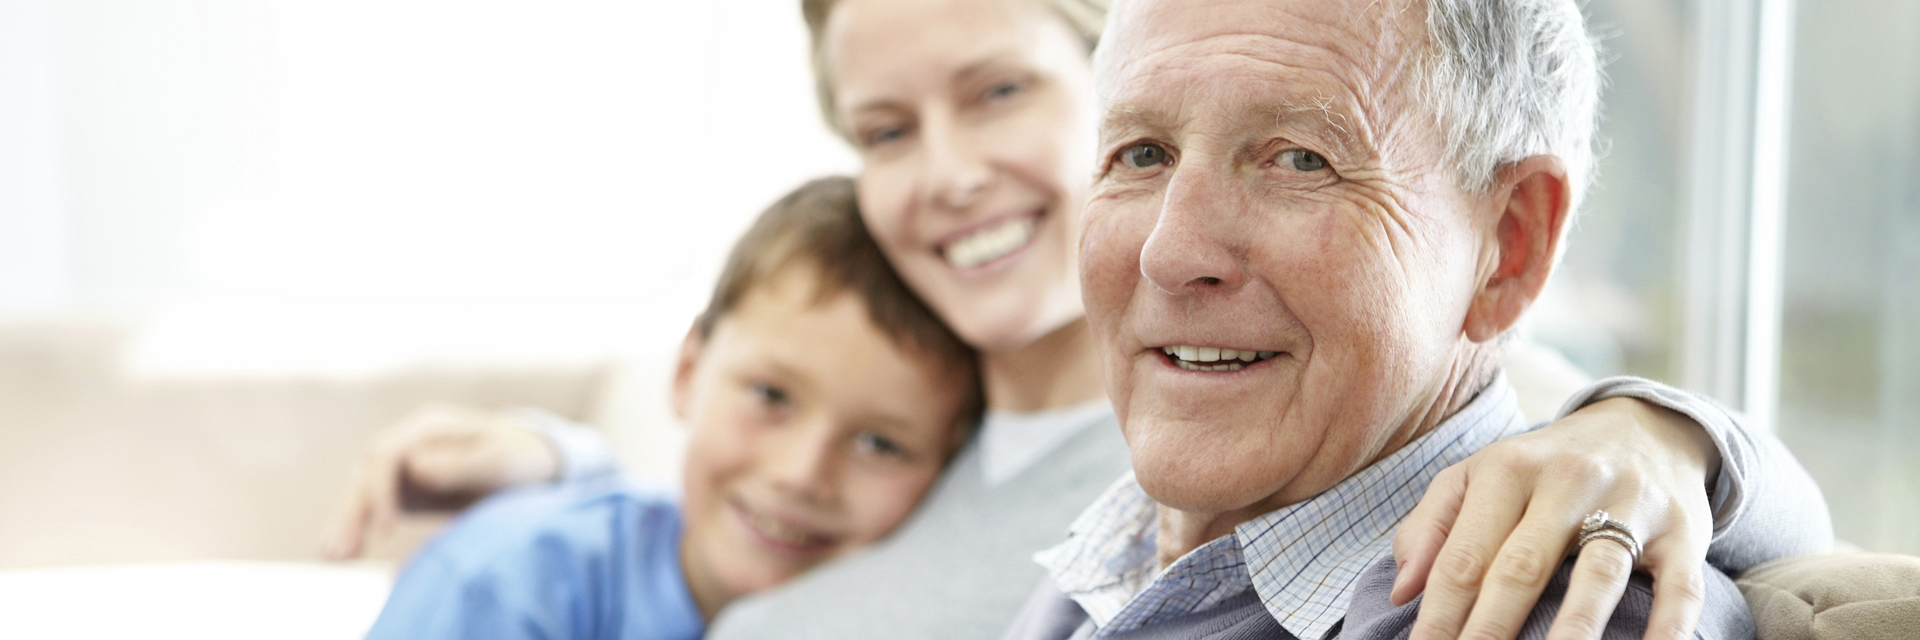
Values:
[(824, 399)]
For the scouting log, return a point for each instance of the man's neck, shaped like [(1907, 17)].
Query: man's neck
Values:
[(1474, 367)]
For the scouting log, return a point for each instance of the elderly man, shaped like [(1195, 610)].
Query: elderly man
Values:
[(1354, 200)]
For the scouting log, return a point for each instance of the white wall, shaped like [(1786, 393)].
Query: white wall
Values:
[(281, 185)]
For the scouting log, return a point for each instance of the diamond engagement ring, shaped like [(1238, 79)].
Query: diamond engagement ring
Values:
[(1599, 525)]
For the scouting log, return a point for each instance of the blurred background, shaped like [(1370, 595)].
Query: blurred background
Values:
[(239, 237)]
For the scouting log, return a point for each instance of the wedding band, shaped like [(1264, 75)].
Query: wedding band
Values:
[(1599, 525)]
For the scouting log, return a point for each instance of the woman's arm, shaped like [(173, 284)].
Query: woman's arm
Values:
[(440, 454), (1683, 472), (1765, 505)]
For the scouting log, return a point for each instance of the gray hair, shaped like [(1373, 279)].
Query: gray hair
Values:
[(1510, 79)]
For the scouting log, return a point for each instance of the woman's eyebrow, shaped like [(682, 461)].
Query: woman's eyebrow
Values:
[(985, 64)]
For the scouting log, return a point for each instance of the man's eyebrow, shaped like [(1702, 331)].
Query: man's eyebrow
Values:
[(1129, 118), (1319, 113), (1313, 115)]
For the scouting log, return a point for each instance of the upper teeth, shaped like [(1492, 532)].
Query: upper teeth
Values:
[(1232, 360), (777, 530), (990, 242)]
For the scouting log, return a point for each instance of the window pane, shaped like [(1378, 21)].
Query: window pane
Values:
[(1850, 352), (1613, 307)]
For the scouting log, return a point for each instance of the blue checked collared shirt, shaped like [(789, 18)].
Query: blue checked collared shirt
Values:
[(1302, 559)]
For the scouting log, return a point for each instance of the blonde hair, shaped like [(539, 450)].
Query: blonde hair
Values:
[(1086, 17)]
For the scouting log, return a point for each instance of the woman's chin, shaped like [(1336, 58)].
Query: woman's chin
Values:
[(1019, 327)]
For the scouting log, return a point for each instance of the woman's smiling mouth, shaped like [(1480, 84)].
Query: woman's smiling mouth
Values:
[(990, 242)]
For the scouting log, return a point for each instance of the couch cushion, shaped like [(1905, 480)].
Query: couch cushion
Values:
[(1834, 596)]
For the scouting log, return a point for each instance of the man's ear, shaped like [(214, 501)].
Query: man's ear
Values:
[(683, 371), (1532, 199)]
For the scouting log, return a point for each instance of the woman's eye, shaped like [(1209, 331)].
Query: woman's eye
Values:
[(1303, 160), (870, 442), (1145, 155), (769, 395), (1003, 90)]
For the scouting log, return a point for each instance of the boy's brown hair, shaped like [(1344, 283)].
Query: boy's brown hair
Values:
[(818, 226)]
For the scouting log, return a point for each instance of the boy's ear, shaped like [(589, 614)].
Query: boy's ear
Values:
[(683, 372)]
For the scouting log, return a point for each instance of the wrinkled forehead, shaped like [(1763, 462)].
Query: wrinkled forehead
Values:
[(1344, 58)]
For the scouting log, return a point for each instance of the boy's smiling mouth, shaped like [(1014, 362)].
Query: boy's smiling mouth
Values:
[(780, 533)]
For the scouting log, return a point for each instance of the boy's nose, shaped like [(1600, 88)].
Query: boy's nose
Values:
[(802, 464)]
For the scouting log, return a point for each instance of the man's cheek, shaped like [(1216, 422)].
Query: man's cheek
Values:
[(1110, 260)]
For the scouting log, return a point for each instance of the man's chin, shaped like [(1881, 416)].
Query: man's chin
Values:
[(1208, 484)]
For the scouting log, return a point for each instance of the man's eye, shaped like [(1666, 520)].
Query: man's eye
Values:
[(1303, 160), (870, 442), (769, 394), (1145, 155)]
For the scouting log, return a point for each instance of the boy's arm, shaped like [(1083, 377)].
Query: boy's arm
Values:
[(434, 601), (444, 595)]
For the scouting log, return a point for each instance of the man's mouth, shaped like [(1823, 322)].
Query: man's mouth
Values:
[(989, 243), (1194, 358), (791, 536)]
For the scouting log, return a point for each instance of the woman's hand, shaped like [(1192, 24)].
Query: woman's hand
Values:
[(437, 454), (1491, 531)]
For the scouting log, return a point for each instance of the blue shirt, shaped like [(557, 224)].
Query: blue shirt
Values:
[(593, 559)]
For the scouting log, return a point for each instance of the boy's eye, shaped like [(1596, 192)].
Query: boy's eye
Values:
[(1302, 160), (1145, 155), (874, 443), (882, 135), (769, 394)]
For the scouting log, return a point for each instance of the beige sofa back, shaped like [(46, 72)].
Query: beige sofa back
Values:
[(97, 466)]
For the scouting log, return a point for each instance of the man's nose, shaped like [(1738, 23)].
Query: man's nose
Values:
[(955, 174), (801, 462), (1189, 251)]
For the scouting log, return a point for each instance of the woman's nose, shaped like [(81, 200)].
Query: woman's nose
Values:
[(956, 173), (1188, 252)]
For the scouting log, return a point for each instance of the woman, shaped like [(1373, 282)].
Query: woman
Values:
[(973, 119)]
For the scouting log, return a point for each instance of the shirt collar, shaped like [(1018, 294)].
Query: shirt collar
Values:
[(1303, 559)]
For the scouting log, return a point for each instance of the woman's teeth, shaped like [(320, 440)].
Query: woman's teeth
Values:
[(983, 246), (1191, 358)]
